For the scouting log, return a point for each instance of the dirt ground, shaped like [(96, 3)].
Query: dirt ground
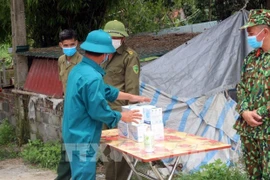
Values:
[(15, 169)]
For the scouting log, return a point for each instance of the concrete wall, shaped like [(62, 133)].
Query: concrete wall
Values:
[(45, 123), (43, 114), (7, 106)]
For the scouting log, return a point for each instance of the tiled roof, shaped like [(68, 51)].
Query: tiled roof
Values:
[(145, 45)]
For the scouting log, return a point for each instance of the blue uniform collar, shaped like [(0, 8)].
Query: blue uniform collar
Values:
[(94, 65)]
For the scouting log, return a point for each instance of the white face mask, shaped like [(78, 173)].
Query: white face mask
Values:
[(116, 43)]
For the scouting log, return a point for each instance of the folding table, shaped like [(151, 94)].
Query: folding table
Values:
[(175, 144)]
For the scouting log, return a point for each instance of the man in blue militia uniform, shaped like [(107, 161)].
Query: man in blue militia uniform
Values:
[(86, 106)]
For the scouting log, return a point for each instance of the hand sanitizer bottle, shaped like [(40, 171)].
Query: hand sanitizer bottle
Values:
[(148, 141)]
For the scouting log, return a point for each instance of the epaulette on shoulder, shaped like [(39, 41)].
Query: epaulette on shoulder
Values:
[(130, 52)]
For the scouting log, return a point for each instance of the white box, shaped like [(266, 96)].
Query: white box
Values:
[(142, 109), (134, 107), (153, 115), (123, 129), (136, 132), (158, 131)]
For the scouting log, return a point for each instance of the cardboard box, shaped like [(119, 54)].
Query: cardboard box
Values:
[(153, 115), (134, 107), (123, 129), (158, 131), (136, 132), (142, 109)]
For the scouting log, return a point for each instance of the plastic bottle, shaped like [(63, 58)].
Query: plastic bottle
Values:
[(148, 141)]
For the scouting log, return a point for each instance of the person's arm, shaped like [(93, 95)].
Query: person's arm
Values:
[(132, 98), (59, 68), (98, 108), (242, 104), (251, 117), (132, 74), (112, 94)]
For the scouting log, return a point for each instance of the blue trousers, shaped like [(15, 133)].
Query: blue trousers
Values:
[(82, 159)]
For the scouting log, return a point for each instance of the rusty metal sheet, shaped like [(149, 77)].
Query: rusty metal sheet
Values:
[(43, 78)]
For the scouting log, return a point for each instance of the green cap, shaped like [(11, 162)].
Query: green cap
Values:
[(257, 17), (115, 29)]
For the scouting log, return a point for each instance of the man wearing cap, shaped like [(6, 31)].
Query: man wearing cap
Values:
[(253, 93), (86, 107), (122, 72)]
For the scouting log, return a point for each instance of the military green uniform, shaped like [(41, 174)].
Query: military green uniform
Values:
[(123, 72), (64, 67), (254, 94)]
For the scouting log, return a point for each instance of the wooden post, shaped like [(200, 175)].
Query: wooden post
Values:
[(20, 67), (18, 39)]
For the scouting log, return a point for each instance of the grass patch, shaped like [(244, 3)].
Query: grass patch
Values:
[(9, 151), (216, 171), (44, 155), (8, 146), (7, 133)]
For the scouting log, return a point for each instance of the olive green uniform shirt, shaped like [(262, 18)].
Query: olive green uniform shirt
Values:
[(123, 72), (253, 93), (65, 66)]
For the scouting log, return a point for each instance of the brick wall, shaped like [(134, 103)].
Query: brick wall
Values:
[(45, 122)]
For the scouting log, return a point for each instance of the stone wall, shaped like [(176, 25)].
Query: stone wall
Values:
[(43, 114), (7, 106)]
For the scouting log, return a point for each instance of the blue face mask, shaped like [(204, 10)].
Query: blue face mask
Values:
[(253, 42), (70, 51), (105, 59)]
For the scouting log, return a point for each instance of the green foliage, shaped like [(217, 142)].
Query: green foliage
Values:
[(8, 147), (7, 133), (9, 151), (147, 15), (4, 55), (220, 9), (216, 171), (45, 19), (45, 155), (5, 21)]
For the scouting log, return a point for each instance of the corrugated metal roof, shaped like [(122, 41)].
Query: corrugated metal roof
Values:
[(43, 78)]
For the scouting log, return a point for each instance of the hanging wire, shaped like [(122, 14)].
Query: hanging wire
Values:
[(244, 7)]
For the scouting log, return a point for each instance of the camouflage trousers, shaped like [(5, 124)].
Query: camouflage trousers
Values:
[(257, 157)]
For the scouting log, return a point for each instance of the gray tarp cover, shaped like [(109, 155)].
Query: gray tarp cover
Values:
[(188, 84), (207, 64)]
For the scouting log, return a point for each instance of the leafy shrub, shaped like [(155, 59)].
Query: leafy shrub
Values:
[(149, 16), (45, 155), (216, 171), (9, 151), (7, 133), (4, 55), (8, 146)]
